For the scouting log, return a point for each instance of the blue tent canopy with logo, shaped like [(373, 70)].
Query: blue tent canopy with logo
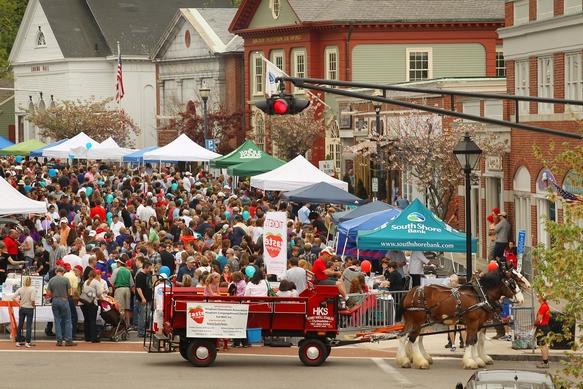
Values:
[(416, 228)]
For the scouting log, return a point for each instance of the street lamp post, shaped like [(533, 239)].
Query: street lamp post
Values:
[(468, 154), (204, 95), (377, 110)]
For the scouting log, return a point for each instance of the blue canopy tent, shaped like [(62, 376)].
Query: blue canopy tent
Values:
[(5, 143), (138, 156), (39, 152), (365, 209), (417, 229), (348, 231), (321, 192)]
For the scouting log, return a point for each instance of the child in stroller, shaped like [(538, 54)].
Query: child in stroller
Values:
[(111, 316)]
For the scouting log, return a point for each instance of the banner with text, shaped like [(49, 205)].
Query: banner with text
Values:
[(216, 320), (275, 242)]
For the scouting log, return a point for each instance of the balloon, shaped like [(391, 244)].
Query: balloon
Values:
[(174, 186), (246, 215), (165, 270), (89, 191), (71, 156), (227, 215), (492, 266), (109, 215), (250, 271), (365, 266), (113, 266), (109, 198), (88, 145), (52, 172), (27, 188), (100, 182), (18, 159), (43, 184)]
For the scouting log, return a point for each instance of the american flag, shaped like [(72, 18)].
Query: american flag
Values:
[(119, 91), (562, 192)]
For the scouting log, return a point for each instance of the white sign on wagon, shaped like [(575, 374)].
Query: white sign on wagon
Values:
[(216, 320), (275, 243)]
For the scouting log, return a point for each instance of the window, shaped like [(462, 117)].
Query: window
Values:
[(299, 66), (500, 64), (521, 84), (277, 59), (257, 74), (545, 83), (574, 79), (40, 38), (419, 64), (545, 9), (331, 63), (260, 131), (275, 8), (572, 6), (520, 12)]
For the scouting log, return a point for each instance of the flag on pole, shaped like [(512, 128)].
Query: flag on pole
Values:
[(272, 72), (119, 91)]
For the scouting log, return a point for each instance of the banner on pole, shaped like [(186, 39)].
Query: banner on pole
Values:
[(216, 320), (521, 242), (275, 243)]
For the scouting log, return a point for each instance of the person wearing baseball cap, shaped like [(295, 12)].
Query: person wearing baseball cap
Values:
[(324, 275), (122, 280), (502, 231)]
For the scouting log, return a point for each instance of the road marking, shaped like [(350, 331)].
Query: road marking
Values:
[(394, 373)]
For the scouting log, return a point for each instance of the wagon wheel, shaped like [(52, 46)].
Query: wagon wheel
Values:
[(313, 352), (201, 353)]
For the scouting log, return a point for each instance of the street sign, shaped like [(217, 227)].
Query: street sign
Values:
[(521, 242), (210, 144), (327, 167), (375, 184)]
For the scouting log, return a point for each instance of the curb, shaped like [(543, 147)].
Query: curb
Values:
[(509, 357)]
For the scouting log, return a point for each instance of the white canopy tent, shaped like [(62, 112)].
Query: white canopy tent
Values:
[(108, 150), (15, 203), (75, 147), (181, 149), (295, 174)]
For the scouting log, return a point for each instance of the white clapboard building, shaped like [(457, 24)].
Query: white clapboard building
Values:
[(68, 49)]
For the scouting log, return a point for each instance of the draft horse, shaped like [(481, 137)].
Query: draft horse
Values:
[(472, 304)]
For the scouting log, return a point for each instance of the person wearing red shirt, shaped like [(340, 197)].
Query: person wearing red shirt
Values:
[(11, 243), (543, 317), (98, 211), (327, 276)]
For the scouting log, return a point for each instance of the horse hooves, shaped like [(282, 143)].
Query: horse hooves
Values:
[(430, 360), (423, 366), (406, 365), (489, 361)]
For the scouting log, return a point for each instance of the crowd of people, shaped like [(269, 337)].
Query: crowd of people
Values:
[(110, 227)]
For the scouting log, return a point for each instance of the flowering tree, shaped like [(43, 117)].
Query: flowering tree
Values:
[(94, 117), (295, 134), (417, 143), (222, 125), (559, 268)]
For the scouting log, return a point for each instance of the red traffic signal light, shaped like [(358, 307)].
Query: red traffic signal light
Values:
[(283, 104)]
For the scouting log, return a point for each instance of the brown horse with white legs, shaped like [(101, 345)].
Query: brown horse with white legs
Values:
[(471, 304)]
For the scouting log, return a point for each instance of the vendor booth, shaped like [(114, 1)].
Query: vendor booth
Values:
[(108, 150), (253, 167), (295, 174), (15, 203), (181, 149), (361, 210), (321, 192), (138, 155), (64, 150), (38, 152), (246, 152), (416, 229), (23, 148)]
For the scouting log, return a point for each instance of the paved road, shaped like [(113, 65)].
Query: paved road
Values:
[(87, 369)]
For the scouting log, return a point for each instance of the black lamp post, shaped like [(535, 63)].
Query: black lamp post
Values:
[(468, 154), (376, 165), (204, 95)]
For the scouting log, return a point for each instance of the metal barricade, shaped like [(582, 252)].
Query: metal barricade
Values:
[(372, 310)]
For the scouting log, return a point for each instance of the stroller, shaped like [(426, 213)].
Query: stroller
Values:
[(113, 318)]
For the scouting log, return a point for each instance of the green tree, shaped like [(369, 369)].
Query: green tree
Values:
[(94, 117), (11, 13), (559, 266)]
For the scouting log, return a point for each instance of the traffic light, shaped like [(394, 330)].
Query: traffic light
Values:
[(282, 104)]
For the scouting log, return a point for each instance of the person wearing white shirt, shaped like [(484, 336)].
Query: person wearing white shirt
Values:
[(416, 263), (116, 226), (297, 275), (257, 286), (304, 214)]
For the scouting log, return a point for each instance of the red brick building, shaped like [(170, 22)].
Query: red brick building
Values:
[(543, 47), (382, 41)]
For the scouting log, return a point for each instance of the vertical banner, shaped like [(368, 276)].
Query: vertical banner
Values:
[(520, 243), (275, 243)]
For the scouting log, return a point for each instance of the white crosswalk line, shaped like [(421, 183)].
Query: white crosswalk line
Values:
[(394, 373)]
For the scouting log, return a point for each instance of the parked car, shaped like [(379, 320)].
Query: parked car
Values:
[(508, 379)]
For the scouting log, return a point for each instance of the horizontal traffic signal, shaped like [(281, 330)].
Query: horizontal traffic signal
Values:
[(282, 104)]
